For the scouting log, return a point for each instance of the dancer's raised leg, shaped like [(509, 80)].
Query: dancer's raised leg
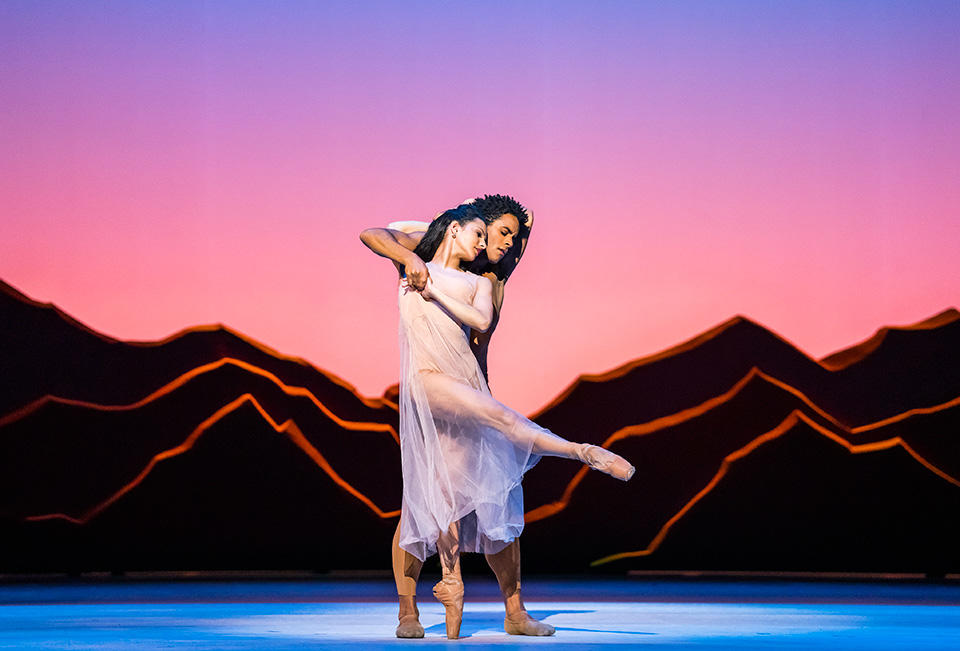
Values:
[(406, 572), (449, 591), (456, 400), (506, 565)]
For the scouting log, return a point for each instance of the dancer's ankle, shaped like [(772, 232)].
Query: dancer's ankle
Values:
[(581, 452), (513, 605), (409, 618), (408, 606), (578, 451)]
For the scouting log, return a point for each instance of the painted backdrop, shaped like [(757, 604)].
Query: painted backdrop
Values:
[(182, 163), (743, 275)]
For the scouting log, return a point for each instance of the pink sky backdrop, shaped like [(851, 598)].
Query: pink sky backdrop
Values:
[(172, 164)]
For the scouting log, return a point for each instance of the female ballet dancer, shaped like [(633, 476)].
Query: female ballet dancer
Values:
[(463, 454)]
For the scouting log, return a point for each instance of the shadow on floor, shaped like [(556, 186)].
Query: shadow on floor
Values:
[(476, 622)]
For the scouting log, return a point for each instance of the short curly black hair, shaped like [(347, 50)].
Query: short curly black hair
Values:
[(493, 206)]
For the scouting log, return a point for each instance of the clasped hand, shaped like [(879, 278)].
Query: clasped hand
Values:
[(426, 291), (417, 274)]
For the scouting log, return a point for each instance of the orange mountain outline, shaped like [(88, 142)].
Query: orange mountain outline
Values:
[(684, 415), (849, 356), (370, 402), (785, 426), (191, 374), (534, 515), (942, 318), (855, 354), (288, 427)]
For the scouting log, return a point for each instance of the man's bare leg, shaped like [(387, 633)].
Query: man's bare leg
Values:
[(506, 566), (406, 572), (449, 591)]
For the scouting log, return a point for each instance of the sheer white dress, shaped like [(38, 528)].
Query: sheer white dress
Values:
[(463, 454)]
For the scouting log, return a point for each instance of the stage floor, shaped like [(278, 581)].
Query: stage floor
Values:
[(328, 614)]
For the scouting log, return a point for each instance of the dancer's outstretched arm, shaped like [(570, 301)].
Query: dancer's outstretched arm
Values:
[(477, 315), (397, 246)]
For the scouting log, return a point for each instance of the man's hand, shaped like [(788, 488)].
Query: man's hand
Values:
[(417, 272)]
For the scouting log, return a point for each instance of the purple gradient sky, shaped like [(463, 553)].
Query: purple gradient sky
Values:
[(171, 164)]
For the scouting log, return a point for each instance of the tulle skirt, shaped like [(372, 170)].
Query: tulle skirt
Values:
[(458, 464)]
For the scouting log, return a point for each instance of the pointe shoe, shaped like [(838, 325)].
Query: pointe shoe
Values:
[(449, 592), (523, 624), (605, 461)]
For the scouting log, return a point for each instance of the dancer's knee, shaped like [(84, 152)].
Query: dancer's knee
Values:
[(504, 418)]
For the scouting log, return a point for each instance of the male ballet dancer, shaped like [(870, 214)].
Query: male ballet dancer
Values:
[(506, 241)]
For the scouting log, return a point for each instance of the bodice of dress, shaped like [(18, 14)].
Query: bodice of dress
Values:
[(433, 337), (457, 284)]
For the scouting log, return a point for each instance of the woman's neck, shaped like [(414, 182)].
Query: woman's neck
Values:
[(446, 256)]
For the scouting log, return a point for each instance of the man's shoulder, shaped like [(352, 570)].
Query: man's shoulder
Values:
[(494, 279), (482, 279), (496, 284)]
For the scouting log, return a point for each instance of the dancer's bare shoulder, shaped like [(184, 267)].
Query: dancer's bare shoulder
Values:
[(484, 284), (496, 288)]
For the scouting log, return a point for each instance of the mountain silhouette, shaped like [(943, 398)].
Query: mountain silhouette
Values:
[(73, 456), (933, 434), (821, 470), (686, 446), (47, 352), (847, 356), (675, 459), (912, 368), (210, 450), (243, 493), (801, 501)]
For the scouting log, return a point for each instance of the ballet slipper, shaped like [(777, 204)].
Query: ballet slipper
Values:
[(409, 617), (523, 624), (605, 461), (449, 592), (409, 626)]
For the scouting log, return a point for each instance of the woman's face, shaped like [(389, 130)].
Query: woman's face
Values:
[(471, 239)]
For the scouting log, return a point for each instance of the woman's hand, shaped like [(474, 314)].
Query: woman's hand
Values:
[(427, 290)]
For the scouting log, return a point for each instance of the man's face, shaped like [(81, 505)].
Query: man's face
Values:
[(501, 234)]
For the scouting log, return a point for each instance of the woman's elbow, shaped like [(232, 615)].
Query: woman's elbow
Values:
[(483, 325)]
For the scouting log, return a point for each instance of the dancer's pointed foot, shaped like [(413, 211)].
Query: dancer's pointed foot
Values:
[(523, 624), (605, 461), (449, 592)]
